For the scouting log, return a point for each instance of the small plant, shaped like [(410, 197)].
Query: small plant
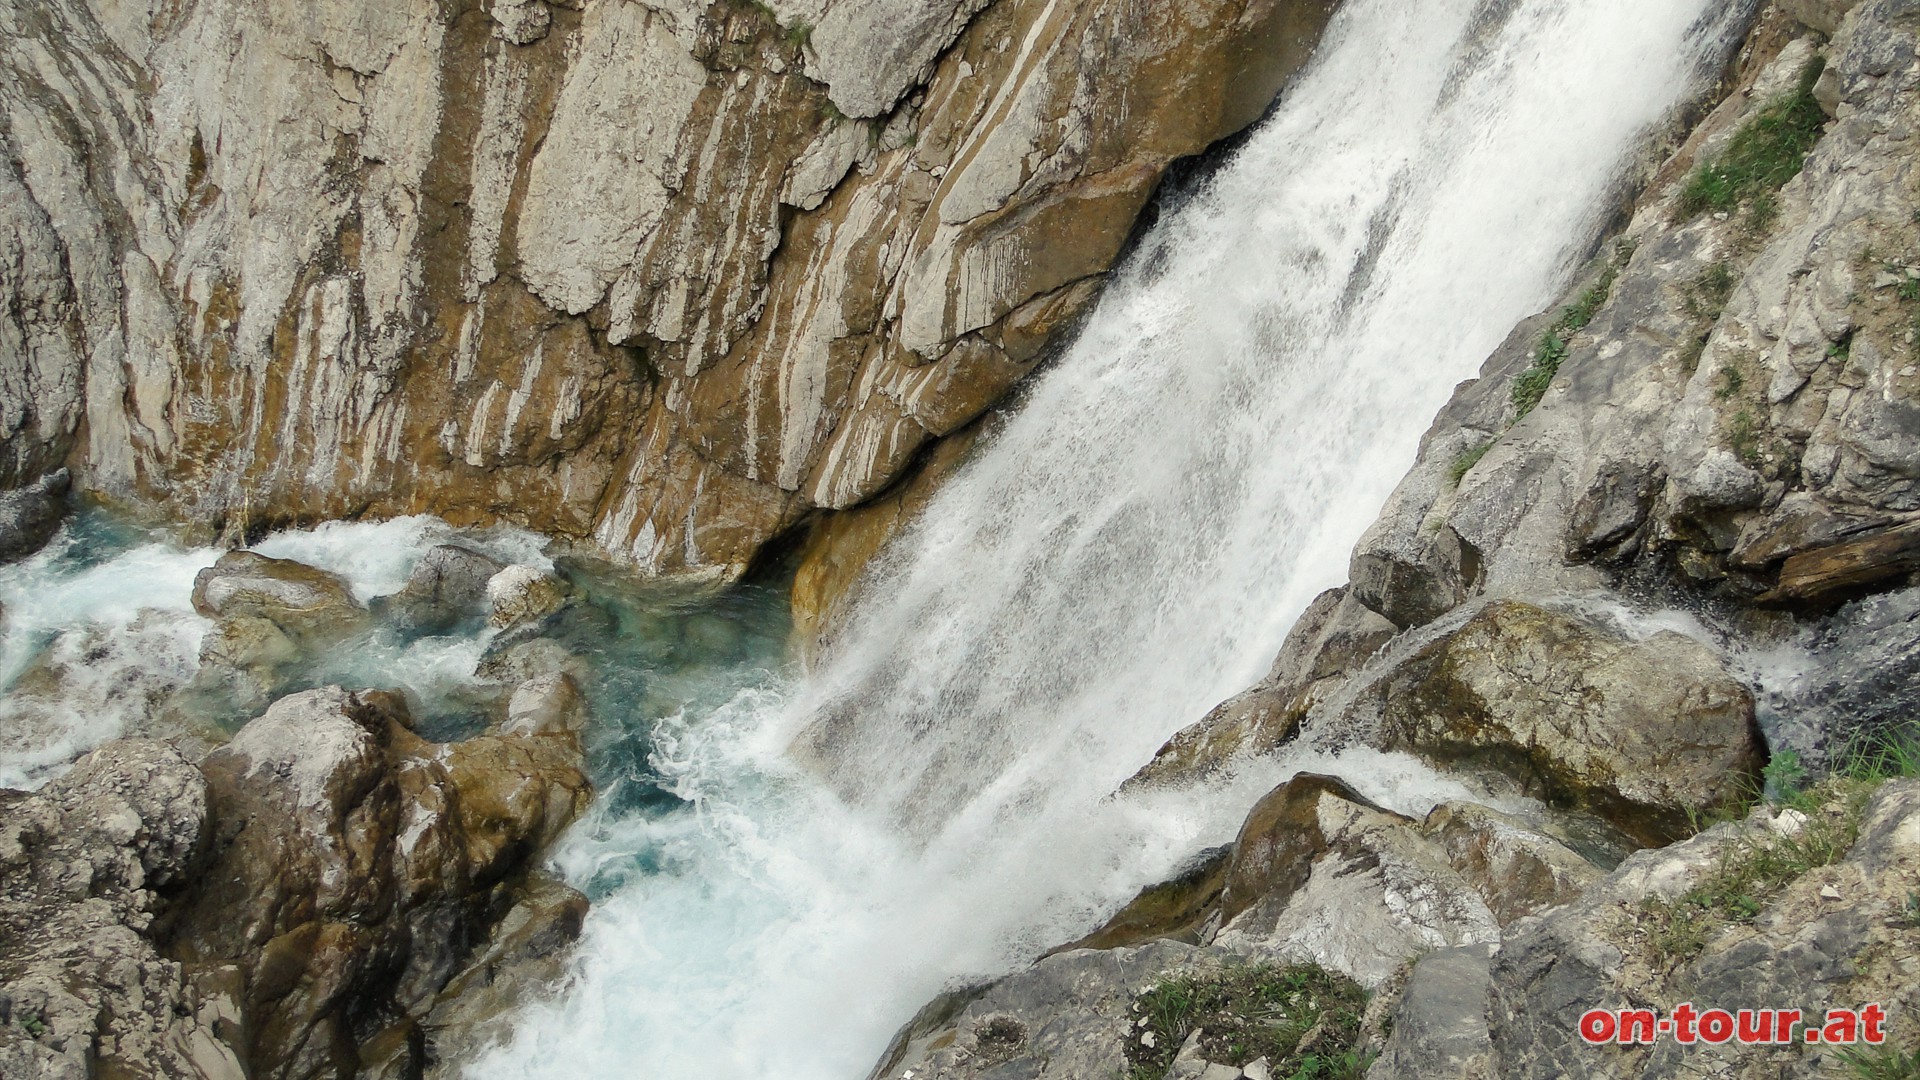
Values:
[(1303, 1019), (1743, 437), (1531, 385), (1732, 381), (34, 1026), (1709, 291), (1785, 780), (1880, 1062), (1910, 289), (1764, 154), (799, 34), (1464, 464), (1881, 756), (1755, 869), (1909, 916)]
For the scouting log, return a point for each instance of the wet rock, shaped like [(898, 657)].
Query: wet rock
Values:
[(1177, 908), (1641, 733), (525, 956), (84, 866), (1517, 869), (30, 515), (1849, 566), (447, 586), (1321, 875), (310, 605), (353, 864), (1334, 636), (519, 595)]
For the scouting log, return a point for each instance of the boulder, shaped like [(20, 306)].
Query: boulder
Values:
[(308, 604), (1517, 869), (30, 515), (1321, 875), (85, 866), (527, 951), (271, 619), (1641, 733), (355, 865), (447, 586), (520, 594)]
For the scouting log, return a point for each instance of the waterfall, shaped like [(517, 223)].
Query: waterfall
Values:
[(1127, 551)]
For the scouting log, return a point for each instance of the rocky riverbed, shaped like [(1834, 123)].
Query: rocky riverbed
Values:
[(1646, 600)]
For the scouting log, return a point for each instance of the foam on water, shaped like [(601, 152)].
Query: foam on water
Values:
[(1126, 552), (100, 629)]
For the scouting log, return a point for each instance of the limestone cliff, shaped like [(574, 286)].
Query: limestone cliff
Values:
[(659, 278)]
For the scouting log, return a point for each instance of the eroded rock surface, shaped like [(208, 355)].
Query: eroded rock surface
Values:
[(657, 278)]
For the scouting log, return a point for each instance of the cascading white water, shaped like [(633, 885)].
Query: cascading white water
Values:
[(1128, 551)]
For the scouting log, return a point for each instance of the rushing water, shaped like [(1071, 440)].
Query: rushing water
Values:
[(1126, 552)]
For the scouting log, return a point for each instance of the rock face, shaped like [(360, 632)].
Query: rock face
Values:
[(1641, 733), (354, 866), (1831, 939), (30, 515), (1726, 428), (659, 278), (85, 865)]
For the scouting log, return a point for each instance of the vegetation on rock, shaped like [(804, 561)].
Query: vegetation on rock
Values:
[(1531, 385), (1820, 823), (1763, 155), (1303, 1019)]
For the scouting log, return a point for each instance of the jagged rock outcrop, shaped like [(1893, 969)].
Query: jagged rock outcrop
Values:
[(294, 906), (657, 278), (354, 866), (30, 515), (1836, 936), (86, 864)]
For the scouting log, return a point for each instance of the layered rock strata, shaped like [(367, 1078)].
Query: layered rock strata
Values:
[(656, 278)]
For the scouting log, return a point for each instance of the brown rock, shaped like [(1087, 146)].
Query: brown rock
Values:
[(1858, 562), (354, 864), (1334, 636), (1640, 733)]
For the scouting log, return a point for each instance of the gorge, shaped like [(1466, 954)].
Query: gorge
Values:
[(835, 540)]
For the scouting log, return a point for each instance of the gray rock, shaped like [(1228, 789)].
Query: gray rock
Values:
[(83, 990), (1440, 1023), (354, 867), (521, 595), (448, 585), (1640, 733), (30, 515)]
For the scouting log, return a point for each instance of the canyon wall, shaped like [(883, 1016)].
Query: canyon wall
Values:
[(660, 279)]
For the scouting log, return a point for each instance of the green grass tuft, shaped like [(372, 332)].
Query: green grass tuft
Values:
[(1303, 1019), (1531, 385), (1732, 381), (1880, 1062), (1464, 464), (1754, 870), (1764, 154)]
